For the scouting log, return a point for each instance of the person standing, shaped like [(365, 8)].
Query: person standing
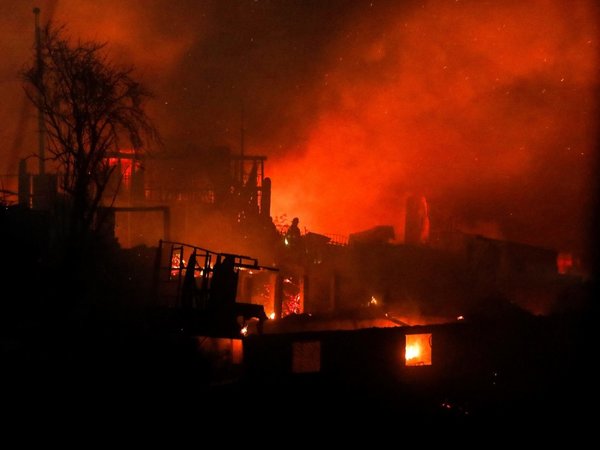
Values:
[(293, 235)]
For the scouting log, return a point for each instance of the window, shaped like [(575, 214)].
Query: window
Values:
[(417, 351)]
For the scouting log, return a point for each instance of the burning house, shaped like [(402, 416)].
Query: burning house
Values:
[(222, 200), (214, 197), (419, 317)]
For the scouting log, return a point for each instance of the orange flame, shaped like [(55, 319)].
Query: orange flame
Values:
[(412, 352), (417, 351)]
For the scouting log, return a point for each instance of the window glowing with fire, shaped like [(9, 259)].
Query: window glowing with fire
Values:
[(417, 351)]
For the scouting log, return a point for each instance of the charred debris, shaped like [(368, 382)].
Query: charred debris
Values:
[(443, 323)]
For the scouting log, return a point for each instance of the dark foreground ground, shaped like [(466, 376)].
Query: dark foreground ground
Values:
[(505, 373)]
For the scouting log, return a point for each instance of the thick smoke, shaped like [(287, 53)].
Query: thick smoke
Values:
[(489, 109)]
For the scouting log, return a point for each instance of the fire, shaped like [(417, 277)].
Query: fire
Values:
[(375, 120), (177, 264), (412, 352), (417, 351), (272, 316), (244, 330)]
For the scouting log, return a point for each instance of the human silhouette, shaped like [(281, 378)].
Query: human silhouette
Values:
[(293, 235), (189, 288), (224, 282)]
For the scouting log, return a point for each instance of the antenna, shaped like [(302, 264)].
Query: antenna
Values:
[(39, 74)]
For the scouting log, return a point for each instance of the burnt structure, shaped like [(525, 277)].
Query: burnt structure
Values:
[(222, 200), (215, 197), (197, 291), (513, 369), (440, 281), (476, 354)]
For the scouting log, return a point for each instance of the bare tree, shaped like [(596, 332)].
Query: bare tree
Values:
[(91, 108)]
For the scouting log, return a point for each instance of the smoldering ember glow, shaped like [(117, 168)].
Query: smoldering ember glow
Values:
[(487, 109)]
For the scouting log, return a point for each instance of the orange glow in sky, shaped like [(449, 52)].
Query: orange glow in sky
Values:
[(488, 109)]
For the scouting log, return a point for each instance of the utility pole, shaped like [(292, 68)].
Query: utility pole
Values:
[(39, 70)]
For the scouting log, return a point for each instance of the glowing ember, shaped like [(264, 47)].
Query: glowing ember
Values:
[(177, 264), (373, 301), (244, 330), (272, 316), (292, 297), (565, 262)]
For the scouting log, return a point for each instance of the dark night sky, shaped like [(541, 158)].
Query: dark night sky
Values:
[(487, 108)]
